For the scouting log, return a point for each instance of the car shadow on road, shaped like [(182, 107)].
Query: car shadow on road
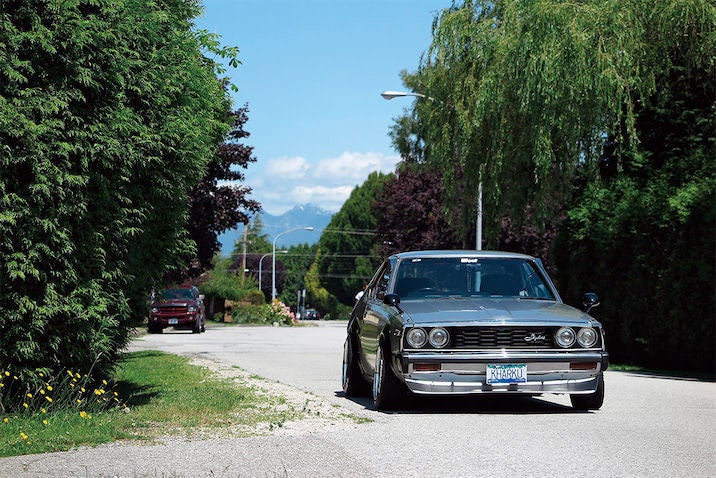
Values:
[(486, 405)]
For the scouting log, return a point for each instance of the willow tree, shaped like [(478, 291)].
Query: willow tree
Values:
[(521, 95)]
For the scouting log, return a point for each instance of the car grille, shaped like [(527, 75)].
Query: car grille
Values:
[(173, 310), (504, 337)]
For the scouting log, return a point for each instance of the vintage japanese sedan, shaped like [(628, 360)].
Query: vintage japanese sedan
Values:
[(468, 322)]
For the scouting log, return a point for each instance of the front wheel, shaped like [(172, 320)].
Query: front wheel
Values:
[(387, 389), (354, 385), (592, 401)]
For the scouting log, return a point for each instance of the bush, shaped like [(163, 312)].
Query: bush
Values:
[(264, 314)]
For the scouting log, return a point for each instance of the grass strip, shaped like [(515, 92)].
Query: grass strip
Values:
[(160, 394)]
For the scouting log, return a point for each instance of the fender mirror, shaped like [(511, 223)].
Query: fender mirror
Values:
[(589, 301), (391, 299)]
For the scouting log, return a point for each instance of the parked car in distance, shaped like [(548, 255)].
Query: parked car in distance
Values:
[(312, 314), (179, 307), (471, 322)]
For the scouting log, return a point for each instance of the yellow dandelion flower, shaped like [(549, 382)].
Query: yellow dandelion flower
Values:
[(6, 420), (23, 436), (70, 373), (29, 395), (14, 377), (116, 394), (78, 376), (44, 422), (43, 410), (49, 399), (83, 414), (79, 401), (74, 380), (42, 391), (104, 382), (72, 385), (25, 405), (49, 388), (7, 374), (41, 374), (83, 389), (2, 384), (97, 392)]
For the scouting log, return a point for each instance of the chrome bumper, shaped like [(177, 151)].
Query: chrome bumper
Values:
[(465, 373)]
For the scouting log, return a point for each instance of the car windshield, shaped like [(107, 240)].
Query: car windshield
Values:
[(419, 278), (178, 294)]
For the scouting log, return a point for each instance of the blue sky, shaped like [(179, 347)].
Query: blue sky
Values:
[(312, 72)]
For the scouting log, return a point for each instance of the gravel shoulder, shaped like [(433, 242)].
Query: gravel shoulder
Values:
[(267, 449)]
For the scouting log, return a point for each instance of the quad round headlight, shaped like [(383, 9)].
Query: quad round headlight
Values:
[(587, 337), (565, 337), (438, 337), (416, 337)]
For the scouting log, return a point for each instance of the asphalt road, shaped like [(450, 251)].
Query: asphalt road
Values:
[(648, 426)]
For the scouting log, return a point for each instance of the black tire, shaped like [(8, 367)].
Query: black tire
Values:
[(352, 380), (154, 330), (388, 391), (592, 401)]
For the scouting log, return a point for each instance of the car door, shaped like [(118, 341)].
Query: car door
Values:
[(374, 317)]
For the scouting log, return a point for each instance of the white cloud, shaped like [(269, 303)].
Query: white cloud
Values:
[(289, 168), (285, 182)]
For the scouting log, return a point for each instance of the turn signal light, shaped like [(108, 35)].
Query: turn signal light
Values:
[(426, 367), (583, 366)]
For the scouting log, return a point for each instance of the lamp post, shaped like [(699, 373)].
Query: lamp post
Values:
[(261, 262), (389, 95), (273, 268)]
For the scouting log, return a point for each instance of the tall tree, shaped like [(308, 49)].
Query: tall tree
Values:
[(601, 113), (527, 91), (411, 213), (347, 255), (109, 115), (219, 202)]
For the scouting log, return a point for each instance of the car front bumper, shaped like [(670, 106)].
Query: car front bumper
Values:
[(176, 320), (465, 373)]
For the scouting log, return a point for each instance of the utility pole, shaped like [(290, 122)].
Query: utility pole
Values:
[(243, 260)]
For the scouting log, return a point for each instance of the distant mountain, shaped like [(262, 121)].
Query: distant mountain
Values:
[(307, 215)]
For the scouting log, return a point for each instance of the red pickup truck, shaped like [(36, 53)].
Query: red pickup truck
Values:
[(179, 307)]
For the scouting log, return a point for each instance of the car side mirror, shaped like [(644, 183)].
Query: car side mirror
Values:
[(391, 299), (589, 301)]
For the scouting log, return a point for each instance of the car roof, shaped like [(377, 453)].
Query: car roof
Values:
[(460, 253)]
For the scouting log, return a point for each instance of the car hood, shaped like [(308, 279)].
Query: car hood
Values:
[(174, 303), (466, 311)]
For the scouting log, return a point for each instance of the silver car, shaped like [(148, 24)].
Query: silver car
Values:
[(468, 322)]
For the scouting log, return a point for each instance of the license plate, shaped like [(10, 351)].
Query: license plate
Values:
[(506, 373), (173, 321)]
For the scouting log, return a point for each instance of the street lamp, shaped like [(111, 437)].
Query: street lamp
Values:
[(389, 95), (262, 260), (273, 274)]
